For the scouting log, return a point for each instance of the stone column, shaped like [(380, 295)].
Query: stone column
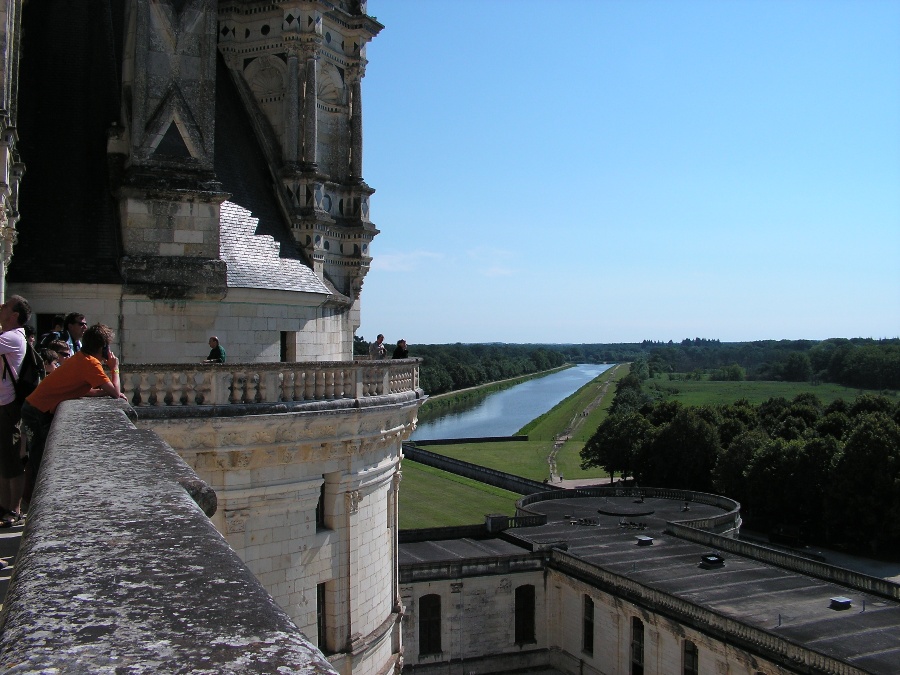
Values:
[(310, 98), (395, 546), (292, 104), (356, 138)]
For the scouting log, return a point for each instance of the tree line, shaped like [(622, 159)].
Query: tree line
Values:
[(800, 469), (453, 367), (858, 362)]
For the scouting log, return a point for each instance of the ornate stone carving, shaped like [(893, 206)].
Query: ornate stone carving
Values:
[(241, 460), (352, 500), (236, 521)]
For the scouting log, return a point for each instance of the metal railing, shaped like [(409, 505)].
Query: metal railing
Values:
[(171, 384)]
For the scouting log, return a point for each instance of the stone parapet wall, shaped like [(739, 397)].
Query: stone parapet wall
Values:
[(121, 569), (500, 479)]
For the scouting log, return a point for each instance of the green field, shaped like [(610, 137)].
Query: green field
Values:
[(434, 498), (706, 392), (522, 458)]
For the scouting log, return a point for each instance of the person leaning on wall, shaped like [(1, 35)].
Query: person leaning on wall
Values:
[(79, 375)]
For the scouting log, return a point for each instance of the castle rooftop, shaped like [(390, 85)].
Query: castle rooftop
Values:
[(624, 544)]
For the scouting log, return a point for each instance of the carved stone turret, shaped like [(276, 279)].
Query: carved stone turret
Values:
[(301, 64)]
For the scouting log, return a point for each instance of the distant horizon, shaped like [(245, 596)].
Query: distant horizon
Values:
[(613, 171), (637, 342)]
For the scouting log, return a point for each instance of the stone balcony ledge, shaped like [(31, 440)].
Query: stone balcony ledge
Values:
[(226, 390), (120, 570)]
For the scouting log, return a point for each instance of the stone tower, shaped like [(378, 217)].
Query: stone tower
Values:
[(210, 181)]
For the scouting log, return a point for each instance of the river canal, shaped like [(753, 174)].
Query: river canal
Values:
[(503, 413)]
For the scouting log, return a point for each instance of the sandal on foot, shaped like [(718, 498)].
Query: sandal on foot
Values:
[(10, 518)]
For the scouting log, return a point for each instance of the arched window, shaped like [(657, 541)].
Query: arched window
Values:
[(637, 646), (525, 614), (430, 624), (691, 658), (587, 625)]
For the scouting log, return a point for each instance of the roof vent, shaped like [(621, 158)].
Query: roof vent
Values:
[(712, 560), (644, 540), (839, 603)]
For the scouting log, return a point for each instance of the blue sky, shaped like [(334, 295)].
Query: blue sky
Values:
[(620, 170)]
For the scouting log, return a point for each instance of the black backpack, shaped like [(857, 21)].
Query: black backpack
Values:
[(30, 374)]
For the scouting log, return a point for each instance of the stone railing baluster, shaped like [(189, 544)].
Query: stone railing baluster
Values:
[(177, 385)]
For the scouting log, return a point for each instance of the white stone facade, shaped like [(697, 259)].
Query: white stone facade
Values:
[(478, 616), (477, 619)]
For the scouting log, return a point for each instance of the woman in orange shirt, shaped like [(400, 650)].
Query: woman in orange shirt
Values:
[(78, 376)]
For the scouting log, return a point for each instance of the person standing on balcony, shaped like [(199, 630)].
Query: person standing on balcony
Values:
[(401, 351), (79, 375), (14, 314), (216, 352), (377, 350), (74, 331)]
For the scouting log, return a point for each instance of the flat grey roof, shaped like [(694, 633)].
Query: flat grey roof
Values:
[(771, 598), (456, 549)]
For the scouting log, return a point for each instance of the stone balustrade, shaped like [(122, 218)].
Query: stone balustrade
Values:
[(177, 385)]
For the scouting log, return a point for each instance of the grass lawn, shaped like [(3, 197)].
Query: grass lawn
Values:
[(433, 498), (522, 458), (706, 392)]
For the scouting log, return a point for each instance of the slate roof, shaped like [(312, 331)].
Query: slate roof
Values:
[(253, 259)]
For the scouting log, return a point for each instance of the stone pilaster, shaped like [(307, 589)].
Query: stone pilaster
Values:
[(310, 113), (292, 101), (354, 76)]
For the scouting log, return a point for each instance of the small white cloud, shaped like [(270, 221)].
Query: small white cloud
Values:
[(408, 261), (498, 271), (488, 253)]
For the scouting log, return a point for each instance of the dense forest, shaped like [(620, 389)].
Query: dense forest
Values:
[(801, 470), (859, 362)]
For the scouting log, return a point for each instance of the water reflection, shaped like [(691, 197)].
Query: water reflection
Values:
[(505, 412)]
